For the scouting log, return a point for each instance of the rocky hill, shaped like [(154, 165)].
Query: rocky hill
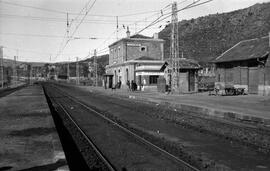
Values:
[(205, 38)]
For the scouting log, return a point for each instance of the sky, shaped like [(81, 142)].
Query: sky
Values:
[(36, 30)]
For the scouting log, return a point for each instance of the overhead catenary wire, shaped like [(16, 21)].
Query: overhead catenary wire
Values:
[(193, 4), (50, 36), (53, 19), (76, 28), (143, 20), (71, 13)]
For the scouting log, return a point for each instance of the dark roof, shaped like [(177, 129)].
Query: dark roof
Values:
[(245, 50), (184, 64), (145, 58), (139, 36), (136, 37)]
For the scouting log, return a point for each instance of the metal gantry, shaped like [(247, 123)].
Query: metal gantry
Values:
[(174, 55)]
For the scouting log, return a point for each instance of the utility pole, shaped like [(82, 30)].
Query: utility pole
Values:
[(14, 72), (96, 66), (2, 66), (174, 56), (77, 71), (117, 26), (30, 74)]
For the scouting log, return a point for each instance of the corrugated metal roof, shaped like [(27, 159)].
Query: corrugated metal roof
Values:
[(246, 49)]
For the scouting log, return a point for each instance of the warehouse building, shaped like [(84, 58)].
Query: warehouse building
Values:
[(245, 65)]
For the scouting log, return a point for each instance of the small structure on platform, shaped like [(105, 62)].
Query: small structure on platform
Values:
[(246, 65), (187, 78), (135, 59)]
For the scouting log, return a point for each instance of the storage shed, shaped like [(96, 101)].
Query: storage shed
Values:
[(245, 65), (187, 75)]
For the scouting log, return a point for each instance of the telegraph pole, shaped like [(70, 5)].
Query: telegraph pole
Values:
[(174, 56), (2, 66), (77, 71), (96, 66)]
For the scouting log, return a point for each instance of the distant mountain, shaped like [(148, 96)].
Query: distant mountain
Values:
[(205, 38)]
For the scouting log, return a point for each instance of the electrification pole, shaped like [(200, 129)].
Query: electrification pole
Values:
[(67, 26), (30, 74), (95, 66), (14, 71), (68, 71), (174, 56), (117, 26), (77, 72), (2, 66)]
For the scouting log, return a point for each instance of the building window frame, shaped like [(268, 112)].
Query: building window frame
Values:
[(153, 79), (143, 48)]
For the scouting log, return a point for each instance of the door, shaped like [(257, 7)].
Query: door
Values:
[(191, 81), (183, 82), (110, 81), (253, 80)]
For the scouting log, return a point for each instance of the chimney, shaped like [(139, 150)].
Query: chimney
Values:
[(155, 35), (128, 32)]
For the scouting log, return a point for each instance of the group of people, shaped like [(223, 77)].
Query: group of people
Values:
[(132, 86)]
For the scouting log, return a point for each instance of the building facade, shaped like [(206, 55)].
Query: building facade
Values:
[(245, 65), (135, 59)]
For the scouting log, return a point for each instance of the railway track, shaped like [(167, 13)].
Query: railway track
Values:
[(61, 99)]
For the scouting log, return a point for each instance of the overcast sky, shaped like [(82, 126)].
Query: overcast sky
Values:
[(35, 29)]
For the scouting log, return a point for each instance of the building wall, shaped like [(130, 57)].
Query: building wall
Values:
[(117, 53), (153, 49), (264, 79), (130, 49), (244, 75)]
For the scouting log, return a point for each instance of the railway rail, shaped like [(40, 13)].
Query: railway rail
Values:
[(58, 100)]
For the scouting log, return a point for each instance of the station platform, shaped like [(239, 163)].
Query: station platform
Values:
[(28, 137), (249, 108)]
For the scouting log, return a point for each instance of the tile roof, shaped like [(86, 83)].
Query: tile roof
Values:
[(246, 49), (145, 58), (184, 64), (140, 36)]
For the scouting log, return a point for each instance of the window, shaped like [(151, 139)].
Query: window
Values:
[(112, 53), (143, 49), (153, 79), (118, 53)]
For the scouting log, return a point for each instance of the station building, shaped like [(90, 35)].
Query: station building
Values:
[(245, 65), (136, 59)]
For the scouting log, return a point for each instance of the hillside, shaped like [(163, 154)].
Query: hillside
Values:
[(10, 63), (207, 37), (101, 60)]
